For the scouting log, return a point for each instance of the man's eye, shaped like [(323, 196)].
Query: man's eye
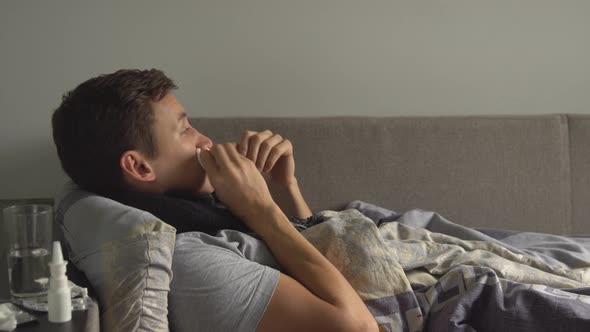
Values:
[(186, 129)]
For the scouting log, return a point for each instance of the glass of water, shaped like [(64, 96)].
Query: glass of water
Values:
[(30, 236)]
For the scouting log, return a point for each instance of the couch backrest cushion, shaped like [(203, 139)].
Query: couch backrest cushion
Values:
[(499, 171), (579, 129)]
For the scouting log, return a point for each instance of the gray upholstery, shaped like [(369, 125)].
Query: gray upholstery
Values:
[(514, 172), (579, 129)]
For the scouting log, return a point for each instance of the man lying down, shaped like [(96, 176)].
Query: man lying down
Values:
[(125, 134), (250, 255)]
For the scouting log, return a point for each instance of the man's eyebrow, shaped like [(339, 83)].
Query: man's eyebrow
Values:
[(182, 116)]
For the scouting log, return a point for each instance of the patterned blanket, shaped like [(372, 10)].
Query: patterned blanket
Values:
[(415, 279)]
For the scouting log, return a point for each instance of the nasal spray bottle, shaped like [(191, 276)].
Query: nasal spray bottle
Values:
[(59, 296)]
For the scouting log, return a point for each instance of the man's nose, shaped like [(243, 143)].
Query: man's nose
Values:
[(203, 141)]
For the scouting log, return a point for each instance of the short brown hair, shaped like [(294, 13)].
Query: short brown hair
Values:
[(104, 117)]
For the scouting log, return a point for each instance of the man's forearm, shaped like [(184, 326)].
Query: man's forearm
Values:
[(290, 199), (309, 267)]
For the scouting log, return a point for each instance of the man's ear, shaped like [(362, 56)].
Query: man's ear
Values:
[(135, 167)]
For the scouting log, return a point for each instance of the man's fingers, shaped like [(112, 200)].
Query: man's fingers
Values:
[(243, 145), (221, 157), (254, 144), (276, 153), (208, 162), (232, 152), (265, 149)]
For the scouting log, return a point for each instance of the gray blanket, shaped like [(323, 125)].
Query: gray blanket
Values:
[(420, 272)]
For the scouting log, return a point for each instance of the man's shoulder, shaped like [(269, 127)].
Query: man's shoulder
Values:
[(229, 244)]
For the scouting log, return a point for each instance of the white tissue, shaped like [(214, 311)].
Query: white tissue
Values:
[(199, 157), (7, 317), (11, 316)]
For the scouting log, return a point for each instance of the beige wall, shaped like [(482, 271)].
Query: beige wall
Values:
[(289, 58)]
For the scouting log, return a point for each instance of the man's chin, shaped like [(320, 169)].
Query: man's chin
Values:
[(204, 188)]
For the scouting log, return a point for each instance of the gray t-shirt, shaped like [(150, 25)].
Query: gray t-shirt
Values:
[(220, 283)]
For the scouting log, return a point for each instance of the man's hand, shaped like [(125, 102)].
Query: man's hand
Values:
[(237, 183), (271, 153)]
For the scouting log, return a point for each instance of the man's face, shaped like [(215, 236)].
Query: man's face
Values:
[(176, 165)]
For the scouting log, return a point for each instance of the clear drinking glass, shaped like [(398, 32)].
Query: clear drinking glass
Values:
[(29, 247)]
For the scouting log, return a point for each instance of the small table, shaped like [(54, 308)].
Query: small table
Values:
[(82, 320), (79, 322)]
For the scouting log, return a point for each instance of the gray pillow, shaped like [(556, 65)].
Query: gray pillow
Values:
[(125, 253)]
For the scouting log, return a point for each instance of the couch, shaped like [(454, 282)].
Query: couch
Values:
[(527, 173)]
